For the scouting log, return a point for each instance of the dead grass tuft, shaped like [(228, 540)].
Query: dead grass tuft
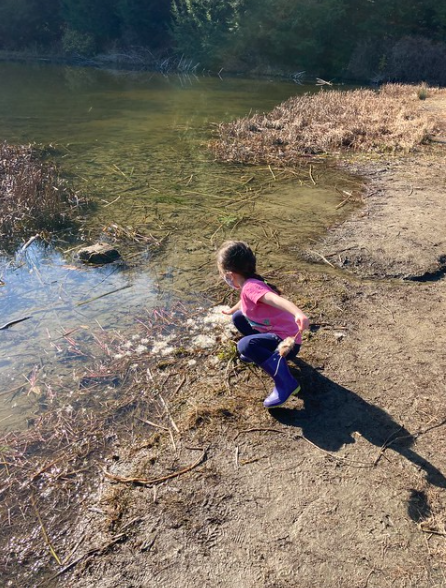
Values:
[(32, 195), (388, 120)]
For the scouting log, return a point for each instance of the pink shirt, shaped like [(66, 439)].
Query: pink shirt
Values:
[(263, 317)]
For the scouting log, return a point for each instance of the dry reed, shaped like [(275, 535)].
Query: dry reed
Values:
[(32, 195), (388, 120)]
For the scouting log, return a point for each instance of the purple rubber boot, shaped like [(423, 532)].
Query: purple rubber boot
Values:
[(285, 385)]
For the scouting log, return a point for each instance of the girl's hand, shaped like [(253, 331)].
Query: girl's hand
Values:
[(302, 321), (233, 309)]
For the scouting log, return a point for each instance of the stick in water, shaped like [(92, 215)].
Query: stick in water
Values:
[(7, 325)]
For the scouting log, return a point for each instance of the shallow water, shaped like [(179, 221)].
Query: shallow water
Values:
[(135, 143)]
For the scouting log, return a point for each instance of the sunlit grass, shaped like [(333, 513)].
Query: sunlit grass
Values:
[(388, 120)]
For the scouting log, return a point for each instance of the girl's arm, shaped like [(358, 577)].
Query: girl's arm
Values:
[(236, 307), (277, 301)]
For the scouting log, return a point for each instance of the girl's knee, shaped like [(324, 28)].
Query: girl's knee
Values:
[(242, 346), (237, 317), (241, 323)]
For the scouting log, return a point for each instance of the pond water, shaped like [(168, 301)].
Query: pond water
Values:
[(135, 144)]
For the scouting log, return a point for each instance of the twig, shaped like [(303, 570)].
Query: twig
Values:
[(148, 482), (341, 204), (311, 175), (168, 413), (102, 295), (49, 465), (252, 460), (45, 534), (391, 439), (89, 553), (368, 578), (7, 325), (180, 385), (112, 202), (12, 390), (322, 257), (431, 531), (255, 429), (352, 462), (28, 243), (152, 424)]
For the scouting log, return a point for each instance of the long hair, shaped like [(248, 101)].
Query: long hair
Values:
[(238, 257)]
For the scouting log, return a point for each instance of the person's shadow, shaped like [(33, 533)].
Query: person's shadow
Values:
[(331, 415)]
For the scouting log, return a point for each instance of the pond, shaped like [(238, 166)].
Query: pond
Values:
[(135, 143)]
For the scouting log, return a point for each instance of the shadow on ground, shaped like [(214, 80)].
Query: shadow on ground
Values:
[(332, 414)]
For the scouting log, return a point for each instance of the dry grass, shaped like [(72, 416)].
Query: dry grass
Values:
[(120, 403), (388, 120), (32, 196)]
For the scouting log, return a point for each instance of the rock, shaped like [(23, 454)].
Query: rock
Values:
[(98, 254)]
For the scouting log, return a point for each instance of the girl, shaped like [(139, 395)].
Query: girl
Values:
[(264, 318)]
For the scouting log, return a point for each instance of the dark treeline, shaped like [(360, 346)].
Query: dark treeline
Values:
[(400, 40)]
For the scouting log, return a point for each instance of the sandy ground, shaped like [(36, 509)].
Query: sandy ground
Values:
[(343, 487)]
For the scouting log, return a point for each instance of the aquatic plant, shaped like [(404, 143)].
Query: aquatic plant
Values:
[(32, 195)]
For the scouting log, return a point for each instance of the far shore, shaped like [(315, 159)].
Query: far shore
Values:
[(167, 64)]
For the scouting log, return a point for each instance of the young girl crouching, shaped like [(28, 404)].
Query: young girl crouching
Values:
[(264, 318)]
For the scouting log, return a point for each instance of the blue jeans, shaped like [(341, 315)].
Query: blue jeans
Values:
[(257, 347)]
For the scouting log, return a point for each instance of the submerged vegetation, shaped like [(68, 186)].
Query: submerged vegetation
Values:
[(363, 120), (32, 195)]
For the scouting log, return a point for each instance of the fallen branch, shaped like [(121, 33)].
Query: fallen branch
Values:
[(7, 325), (148, 482)]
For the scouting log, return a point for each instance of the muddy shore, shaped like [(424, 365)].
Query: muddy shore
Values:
[(342, 487)]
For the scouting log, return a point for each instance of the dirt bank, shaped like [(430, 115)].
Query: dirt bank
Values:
[(343, 487)]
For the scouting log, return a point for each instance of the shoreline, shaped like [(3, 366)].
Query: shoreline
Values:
[(341, 487), (169, 65)]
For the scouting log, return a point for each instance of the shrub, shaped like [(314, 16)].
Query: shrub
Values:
[(79, 44), (415, 59)]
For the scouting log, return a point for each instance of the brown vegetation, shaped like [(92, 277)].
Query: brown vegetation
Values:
[(32, 196), (114, 405), (388, 120)]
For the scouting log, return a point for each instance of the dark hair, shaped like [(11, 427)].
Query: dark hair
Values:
[(238, 257)]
